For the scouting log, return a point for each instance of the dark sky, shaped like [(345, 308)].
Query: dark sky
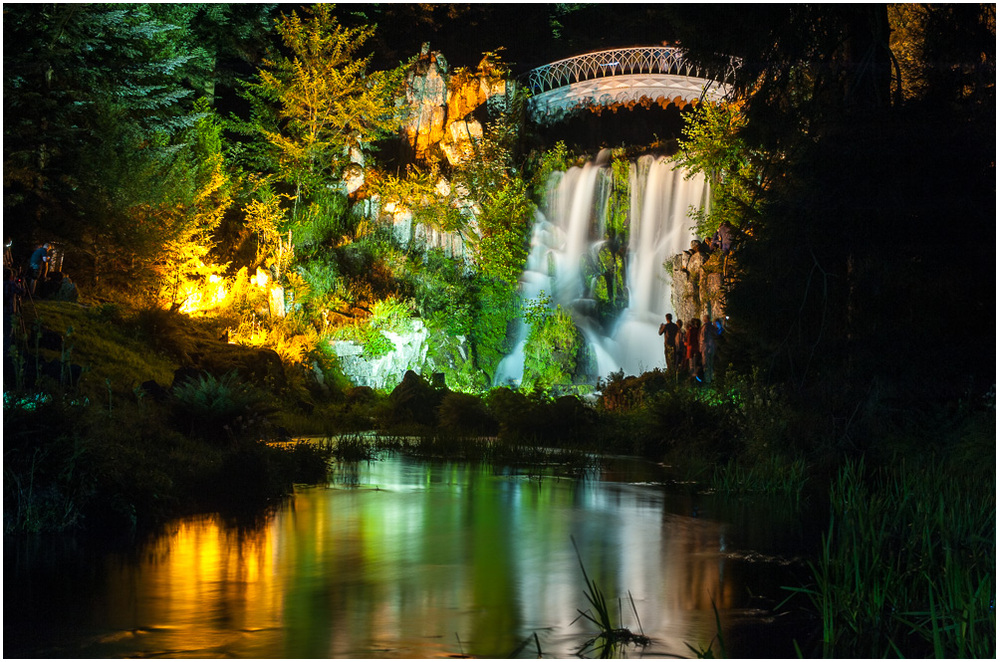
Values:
[(530, 34)]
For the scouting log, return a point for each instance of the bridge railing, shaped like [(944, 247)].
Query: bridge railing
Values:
[(615, 62)]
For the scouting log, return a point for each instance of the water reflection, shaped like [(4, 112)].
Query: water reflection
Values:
[(407, 559)]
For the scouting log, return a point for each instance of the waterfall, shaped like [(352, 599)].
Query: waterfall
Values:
[(570, 232)]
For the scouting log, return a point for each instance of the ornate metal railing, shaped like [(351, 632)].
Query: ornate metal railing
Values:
[(666, 60)]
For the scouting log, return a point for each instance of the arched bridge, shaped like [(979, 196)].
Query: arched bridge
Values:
[(619, 76)]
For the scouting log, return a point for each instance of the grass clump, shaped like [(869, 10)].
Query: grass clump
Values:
[(907, 567), (611, 637)]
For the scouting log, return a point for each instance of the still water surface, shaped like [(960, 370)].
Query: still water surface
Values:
[(403, 558)]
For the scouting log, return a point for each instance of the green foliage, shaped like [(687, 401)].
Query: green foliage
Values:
[(608, 273), (184, 257), (555, 159), (323, 222), (100, 150), (443, 291), (412, 405), (464, 414), (325, 99), (386, 315), (620, 198), (621, 394), (497, 307), (552, 350), (713, 146), (773, 476), (392, 315), (422, 193), (504, 226), (907, 568)]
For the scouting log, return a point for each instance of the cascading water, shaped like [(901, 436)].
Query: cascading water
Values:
[(571, 233)]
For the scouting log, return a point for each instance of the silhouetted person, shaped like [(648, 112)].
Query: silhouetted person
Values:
[(39, 264), (669, 332), (723, 238), (709, 343), (694, 347), (681, 351)]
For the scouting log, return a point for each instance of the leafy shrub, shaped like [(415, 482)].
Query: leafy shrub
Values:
[(160, 327), (444, 294), (324, 220), (682, 423), (512, 410), (461, 413), (324, 281), (252, 475), (496, 308), (621, 394), (110, 313), (220, 408), (411, 405), (555, 159), (392, 315), (552, 350), (42, 490)]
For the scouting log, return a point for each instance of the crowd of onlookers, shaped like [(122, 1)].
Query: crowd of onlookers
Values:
[(690, 348)]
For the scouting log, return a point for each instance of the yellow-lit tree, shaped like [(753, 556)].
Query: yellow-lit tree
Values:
[(184, 268), (326, 101)]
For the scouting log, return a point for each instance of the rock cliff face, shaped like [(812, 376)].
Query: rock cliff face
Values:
[(442, 104), (698, 287)]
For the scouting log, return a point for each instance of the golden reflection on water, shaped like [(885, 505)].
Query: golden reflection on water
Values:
[(421, 561), (202, 589)]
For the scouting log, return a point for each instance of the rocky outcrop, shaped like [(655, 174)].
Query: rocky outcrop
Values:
[(413, 400), (443, 106), (427, 97), (698, 284), (409, 352)]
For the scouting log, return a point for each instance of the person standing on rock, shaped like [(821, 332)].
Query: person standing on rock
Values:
[(709, 342), (681, 351), (693, 346), (669, 332)]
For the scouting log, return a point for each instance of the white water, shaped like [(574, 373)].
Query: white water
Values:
[(572, 229)]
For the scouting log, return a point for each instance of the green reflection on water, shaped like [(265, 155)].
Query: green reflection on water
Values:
[(403, 558)]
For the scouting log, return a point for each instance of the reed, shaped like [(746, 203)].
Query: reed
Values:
[(610, 638), (907, 566), (774, 476), (708, 652)]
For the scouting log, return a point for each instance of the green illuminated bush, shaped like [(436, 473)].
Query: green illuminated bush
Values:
[(555, 159), (552, 350)]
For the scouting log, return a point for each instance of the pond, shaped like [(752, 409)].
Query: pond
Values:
[(405, 558)]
